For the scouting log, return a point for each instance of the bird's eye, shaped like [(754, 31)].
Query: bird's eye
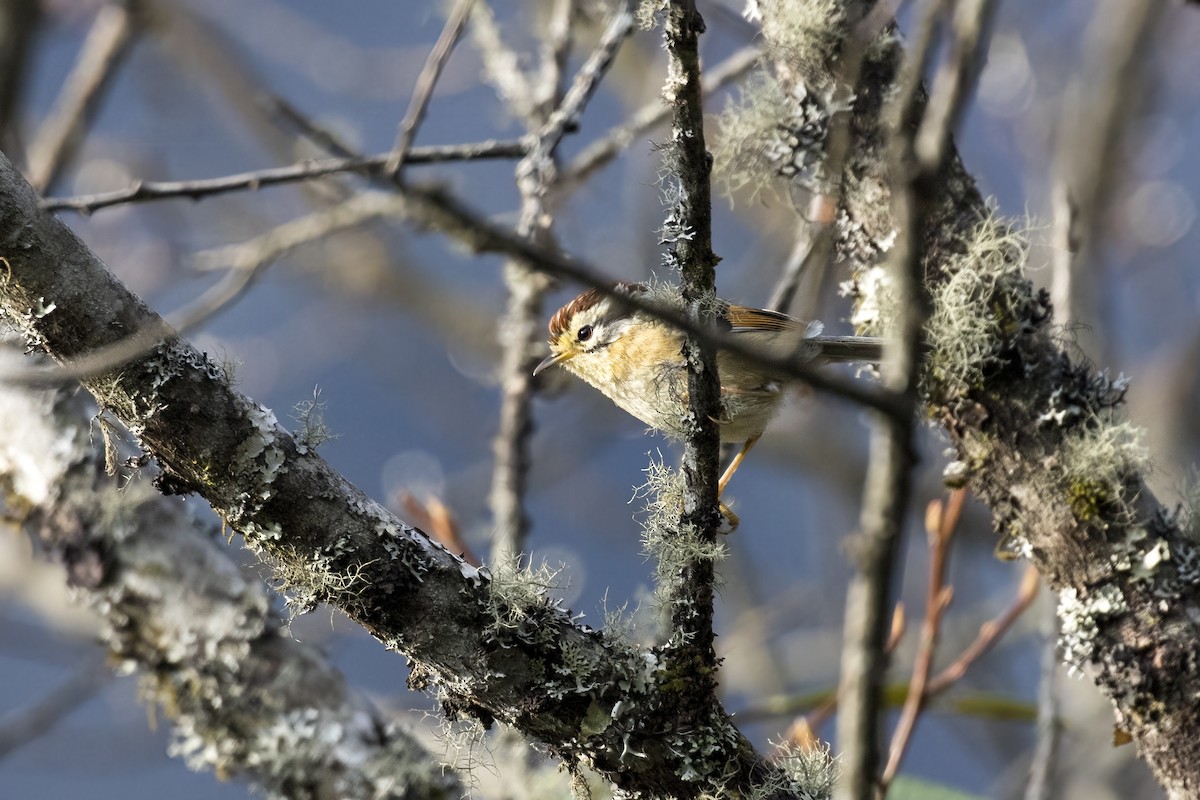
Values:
[(585, 333)]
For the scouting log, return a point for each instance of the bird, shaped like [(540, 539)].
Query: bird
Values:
[(637, 360)]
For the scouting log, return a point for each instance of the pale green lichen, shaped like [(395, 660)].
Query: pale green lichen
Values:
[(310, 417), (771, 136), (463, 739), (810, 33), (1098, 464), (673, 545), (648, 13), (806, 772), (519, 596), (978, 310)]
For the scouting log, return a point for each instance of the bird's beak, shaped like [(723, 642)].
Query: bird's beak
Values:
[(552, 359)]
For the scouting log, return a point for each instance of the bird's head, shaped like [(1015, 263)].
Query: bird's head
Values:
[(581, 330)]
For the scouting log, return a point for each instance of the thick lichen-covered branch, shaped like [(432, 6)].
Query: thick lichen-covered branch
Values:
[(244, 698), (488, 653), (1039, 437)]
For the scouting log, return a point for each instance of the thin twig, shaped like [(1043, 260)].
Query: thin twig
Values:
[(587, 80), (60, 135), (32, 723), (522, 327), (244, 263), (603, 150), (889, 472), (1045, 750), (941, 523), (144, 191), (811, 254), (1090, 131), (689, 593), (436, 519), (972, 22), (277, 106), (427, 80), (535, 175), (990, 632)]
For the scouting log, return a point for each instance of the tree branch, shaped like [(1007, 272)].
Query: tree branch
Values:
[(688, 232), (1039, 438), (522, 328), (650, 116), (245, 698), (145, 191), (427, 79), (892, 459), (493, 651), (105, 48)]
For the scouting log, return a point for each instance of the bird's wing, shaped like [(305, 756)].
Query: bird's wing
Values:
[(744, 319)]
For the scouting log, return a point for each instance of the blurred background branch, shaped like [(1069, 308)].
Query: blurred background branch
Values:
[(369, 309)]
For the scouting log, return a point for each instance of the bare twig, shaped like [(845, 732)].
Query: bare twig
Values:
[(990, 632), (689, 595), (427, 79), (32, 723), (812, 252), (941, 523), (1045, 750), (650, 116), (436, 519), (587, 80), (1091, 129), (923, 157), (60, 135), (522, 327), (280, 107), (244, 263), (144, 191), (19, 22)]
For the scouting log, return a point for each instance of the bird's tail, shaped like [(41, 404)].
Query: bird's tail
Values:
[(848, 349)]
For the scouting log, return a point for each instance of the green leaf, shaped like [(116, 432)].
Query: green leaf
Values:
[(906, 788)]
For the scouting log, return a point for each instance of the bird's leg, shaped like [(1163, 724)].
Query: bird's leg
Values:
[(732, 519), (737, 462)]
